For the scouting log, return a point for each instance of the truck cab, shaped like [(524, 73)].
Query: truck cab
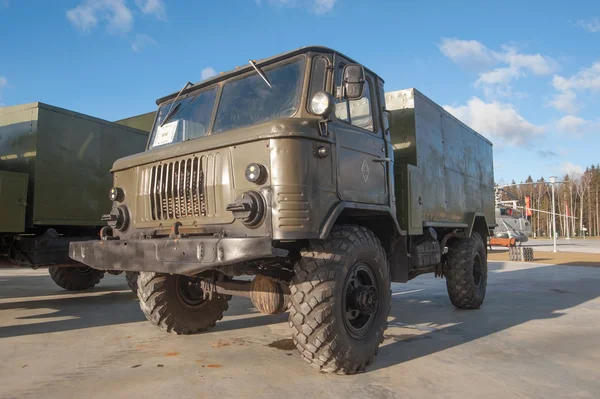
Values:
[(284, 169)]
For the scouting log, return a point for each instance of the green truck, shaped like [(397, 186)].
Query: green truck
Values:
[(54, 173), (301, 171)]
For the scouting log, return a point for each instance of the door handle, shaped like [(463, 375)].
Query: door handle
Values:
[(382, 160)]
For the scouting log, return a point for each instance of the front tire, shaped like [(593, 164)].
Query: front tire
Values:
[(340, 300), (175, 304), (75, 278), (466, 272)]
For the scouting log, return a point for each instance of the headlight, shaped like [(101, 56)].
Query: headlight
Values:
[(256, 173), (322, 104), (116, 194)]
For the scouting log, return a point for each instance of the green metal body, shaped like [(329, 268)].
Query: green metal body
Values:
[(13, 201), (142, 122), (443, 168), (427, 176), (67, 157)]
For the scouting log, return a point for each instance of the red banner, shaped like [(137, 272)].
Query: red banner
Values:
[(528, 210), (567, 209)]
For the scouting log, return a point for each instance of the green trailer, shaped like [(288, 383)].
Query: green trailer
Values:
[(54, 174)]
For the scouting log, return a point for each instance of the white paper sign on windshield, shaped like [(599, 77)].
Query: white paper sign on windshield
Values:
[(165, 134)]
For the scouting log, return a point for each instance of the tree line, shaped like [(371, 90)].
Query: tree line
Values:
[(578, 197)]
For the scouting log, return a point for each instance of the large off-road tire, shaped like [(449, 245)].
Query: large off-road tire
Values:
[(75, 278), (340, 300), (466, 271), (132, 280), (175, 304)]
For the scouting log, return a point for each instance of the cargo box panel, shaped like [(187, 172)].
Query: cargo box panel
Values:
[(455, 162), (68, 157)]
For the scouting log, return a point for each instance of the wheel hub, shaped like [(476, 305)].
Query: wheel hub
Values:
[(189, 291), (364, 299), (361, 300)]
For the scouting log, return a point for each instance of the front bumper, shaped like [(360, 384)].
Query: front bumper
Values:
[(178, 256)]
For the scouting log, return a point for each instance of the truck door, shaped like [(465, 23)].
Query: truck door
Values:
[(361, 173)]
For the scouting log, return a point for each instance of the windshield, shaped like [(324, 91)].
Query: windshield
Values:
[(243, 102), (190, 118), (250, 100)]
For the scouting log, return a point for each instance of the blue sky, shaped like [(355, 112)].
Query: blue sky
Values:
[(526, 74)]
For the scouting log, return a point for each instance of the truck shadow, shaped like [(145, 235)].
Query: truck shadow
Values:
[(514, 297), (57, 310), (35, 285)]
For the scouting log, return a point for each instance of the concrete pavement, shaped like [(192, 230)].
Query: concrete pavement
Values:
[(535, 336), (563, 245)]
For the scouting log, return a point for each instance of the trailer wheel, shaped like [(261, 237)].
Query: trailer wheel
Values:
[(466, 272), (340, 300), (176, 304), (75, 278), (132, 280)]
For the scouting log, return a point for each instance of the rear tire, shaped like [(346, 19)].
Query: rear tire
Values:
[(466, 272), (174, 305), (340, 300), (132, 280), (75, 278)]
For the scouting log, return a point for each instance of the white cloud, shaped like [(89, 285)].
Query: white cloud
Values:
[(117, 18), (591, 25), (114, 13), (565, 102), (572, 125), (536, 63), (142, 40), (512, 64), (500, 122), (207, 72), (498, 76), (469, 53), (323, 6), (587, 79), (5, 3), (315, 6), (570, 169), (156, 7)]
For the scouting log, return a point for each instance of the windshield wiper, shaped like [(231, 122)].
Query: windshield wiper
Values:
[(171, 112), (262, 75), (172, 109)]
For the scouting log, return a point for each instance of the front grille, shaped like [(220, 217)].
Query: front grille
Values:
[(177, 190)]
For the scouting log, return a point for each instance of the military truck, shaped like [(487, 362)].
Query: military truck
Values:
[(300, 171), (54, 166)]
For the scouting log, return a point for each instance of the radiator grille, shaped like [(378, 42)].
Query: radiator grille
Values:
[(177, 190)]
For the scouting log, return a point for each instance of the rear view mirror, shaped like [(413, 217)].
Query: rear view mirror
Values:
[(353, 80)]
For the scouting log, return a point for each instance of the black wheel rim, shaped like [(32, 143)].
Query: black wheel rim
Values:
[(477, 269), (189, 292), (360, 300)]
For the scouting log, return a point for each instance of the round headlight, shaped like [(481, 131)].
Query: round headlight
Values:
[(116, 194), (256, 173), (322, 104)]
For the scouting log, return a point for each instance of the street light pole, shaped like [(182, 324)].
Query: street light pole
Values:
[(553, 182)]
